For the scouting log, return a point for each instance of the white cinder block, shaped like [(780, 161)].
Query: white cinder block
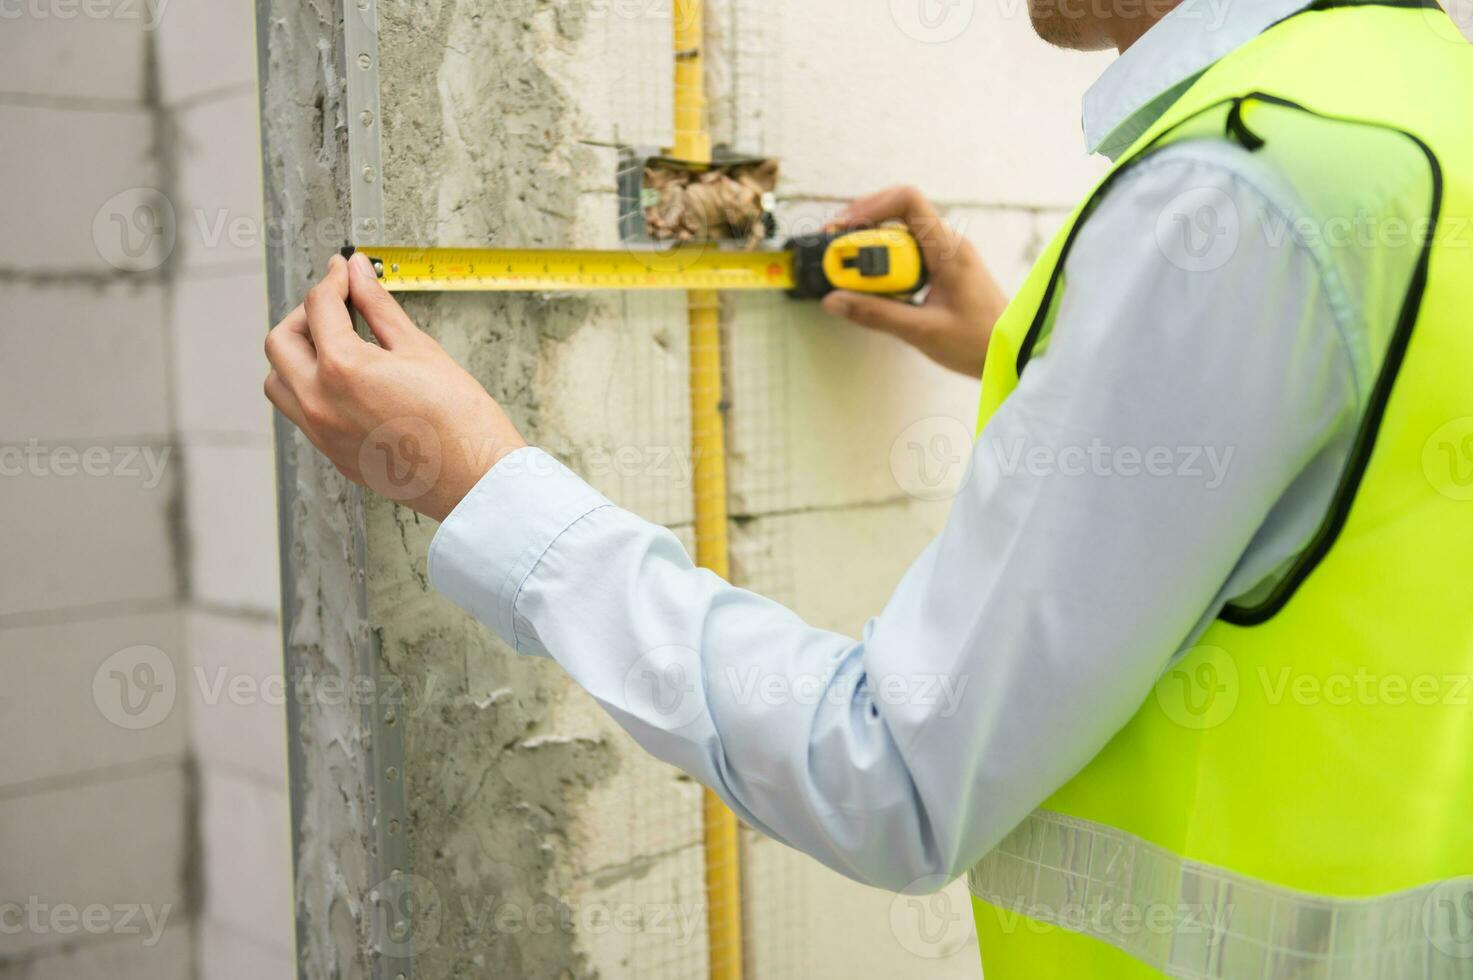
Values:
[(645, 920), (63, 212), (235, 681), (63, 51), (978, 110), (620, 76), (647, 808), (83, 539), (226, 954), (90, 696), (1007, 240), (840, 565), (823, 411), (246, 830), (83, 361), (862, 931), (220, 198), (232, 526), (219, 325), (116, 844), (205, 48), (619, 404), (120, 958)]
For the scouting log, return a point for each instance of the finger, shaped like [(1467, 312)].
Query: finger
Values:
[(381, 311), (296, 322), (328, 320), (939, 244), (285, 400), (290, 351), (883, 314)]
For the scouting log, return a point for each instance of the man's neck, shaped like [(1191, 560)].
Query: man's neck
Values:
[(1125, 31)]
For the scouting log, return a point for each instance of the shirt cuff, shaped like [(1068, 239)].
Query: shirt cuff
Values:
[(492, 541)]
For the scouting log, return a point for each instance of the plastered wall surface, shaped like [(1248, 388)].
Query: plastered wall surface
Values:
[(526, 805)]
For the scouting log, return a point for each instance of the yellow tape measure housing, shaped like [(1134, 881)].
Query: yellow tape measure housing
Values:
[(881, 260)]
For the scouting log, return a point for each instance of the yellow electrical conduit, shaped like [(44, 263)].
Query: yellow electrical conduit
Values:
[(708, 443)]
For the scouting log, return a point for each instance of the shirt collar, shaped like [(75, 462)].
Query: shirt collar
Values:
[(1142, 83)]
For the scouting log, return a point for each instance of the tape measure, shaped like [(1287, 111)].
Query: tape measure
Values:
[(885, 261)]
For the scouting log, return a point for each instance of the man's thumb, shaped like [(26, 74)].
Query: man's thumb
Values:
[(383, 314)]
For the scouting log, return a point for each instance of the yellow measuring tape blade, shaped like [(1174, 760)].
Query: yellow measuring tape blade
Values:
[(568, 270)]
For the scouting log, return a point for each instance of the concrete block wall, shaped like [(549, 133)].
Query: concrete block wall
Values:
[(206, 66), (93, 800), (142, 784)]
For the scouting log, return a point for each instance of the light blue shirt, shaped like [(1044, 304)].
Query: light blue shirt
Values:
[(1173, 448)]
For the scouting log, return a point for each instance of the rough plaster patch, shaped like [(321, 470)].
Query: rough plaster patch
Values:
[(480, 148)]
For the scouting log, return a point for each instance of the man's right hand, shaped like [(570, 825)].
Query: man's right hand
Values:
[(954, 323)]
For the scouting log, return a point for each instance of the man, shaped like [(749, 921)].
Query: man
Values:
[(1205, 641)]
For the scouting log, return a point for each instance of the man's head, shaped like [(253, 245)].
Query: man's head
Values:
[(1093, 25)]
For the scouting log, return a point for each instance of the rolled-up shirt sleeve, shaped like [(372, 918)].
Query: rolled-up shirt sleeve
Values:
[(1178, 439)]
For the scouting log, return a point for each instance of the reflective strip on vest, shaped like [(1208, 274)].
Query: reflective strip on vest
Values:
[(1192, 920)]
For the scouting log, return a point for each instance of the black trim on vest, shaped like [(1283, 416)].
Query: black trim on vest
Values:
[(1365, 439), (1370, 426)]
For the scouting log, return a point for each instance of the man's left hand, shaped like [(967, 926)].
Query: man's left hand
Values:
[(401, 418)]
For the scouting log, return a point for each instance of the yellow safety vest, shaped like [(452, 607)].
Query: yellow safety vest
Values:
[(1295, 799)]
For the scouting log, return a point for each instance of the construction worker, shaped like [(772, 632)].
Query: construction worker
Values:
[(1183, 686)]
